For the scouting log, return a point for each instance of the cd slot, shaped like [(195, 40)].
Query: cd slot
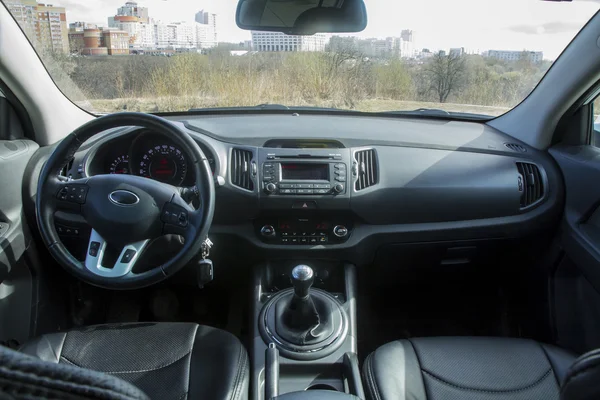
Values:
[(306, 156)]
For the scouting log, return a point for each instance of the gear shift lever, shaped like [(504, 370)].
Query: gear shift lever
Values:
[(303, 278), (304, 317)]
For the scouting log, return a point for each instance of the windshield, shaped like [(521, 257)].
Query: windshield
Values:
[(468, 56)]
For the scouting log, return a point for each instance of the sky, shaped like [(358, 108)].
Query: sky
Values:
[(476, 25)]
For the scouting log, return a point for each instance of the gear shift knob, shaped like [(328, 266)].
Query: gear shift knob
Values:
[(302, 279)]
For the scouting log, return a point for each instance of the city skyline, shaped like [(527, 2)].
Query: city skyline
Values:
[(505, 24)]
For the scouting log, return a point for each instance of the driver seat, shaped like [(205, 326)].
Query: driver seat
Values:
[(159, 360)]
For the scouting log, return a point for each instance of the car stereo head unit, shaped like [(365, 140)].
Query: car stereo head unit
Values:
[(304, 177)]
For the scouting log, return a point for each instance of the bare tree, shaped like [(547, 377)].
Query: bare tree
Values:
[(445, 73)]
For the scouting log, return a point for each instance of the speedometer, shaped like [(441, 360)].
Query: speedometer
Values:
[(120, 165), (164, 163)]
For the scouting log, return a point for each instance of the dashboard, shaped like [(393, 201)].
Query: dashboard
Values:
[(145, 154), (342, 187)]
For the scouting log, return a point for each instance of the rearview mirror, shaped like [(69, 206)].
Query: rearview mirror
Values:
[(302, 17)]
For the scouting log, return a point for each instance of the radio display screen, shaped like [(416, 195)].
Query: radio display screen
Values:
[(304, 172)]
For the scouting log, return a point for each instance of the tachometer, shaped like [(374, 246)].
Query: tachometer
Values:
[(164, 163), (120, 165)]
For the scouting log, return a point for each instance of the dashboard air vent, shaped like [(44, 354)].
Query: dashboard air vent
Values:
[(366, 168), (531, 184), (516, 147), (240, 169)]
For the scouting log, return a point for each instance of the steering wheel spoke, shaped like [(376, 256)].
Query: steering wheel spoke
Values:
[(124, 264)]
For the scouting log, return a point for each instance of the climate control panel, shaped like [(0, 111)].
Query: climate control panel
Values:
[(303, 231)]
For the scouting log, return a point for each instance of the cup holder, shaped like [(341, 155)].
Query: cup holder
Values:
[(322, 386)]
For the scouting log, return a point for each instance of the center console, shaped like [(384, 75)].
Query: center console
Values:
[(305, 196), (304, 329)]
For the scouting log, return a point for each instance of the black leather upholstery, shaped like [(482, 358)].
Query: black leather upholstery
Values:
[(26, 377), (582, 379), (448, 368), (165, 360)]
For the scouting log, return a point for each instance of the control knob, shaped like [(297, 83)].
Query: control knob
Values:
[(270, 188), (339, 188), (340, 231), (267, 231)]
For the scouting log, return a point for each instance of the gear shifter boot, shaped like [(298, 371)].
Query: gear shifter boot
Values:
[(304, 321), (301, 313)]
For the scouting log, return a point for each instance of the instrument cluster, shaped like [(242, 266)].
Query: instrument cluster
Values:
[(149, 155)]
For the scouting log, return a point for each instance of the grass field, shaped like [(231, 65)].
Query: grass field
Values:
[(183, 103)]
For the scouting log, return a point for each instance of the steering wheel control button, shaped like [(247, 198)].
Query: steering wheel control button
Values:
[(304, 205), (182, 219), (340, 231), (73, 194), (174, 215), (63, 194), (128, 256), (64, 230), (94, 248), (267, 231)]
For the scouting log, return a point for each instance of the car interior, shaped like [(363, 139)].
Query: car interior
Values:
[(273, 253)]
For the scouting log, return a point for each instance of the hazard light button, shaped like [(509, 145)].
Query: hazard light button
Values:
[(304, 205)]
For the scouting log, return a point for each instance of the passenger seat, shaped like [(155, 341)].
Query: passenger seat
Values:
[(477, 368)]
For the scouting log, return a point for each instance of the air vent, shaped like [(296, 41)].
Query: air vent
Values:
[(240, 169), (531, 184), (516, 147), (65, 170), (366, 168)]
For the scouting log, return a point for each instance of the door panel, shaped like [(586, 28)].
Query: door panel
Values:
[(16, 284), (575, 287)]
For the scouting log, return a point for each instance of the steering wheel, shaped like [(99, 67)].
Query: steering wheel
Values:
[(126, 211)]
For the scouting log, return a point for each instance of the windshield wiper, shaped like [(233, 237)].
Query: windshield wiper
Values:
[(264, 107), (437, 112)]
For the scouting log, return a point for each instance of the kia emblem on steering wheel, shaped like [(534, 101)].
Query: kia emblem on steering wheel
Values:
[(123, 198)]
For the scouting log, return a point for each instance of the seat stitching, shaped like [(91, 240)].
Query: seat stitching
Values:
[(243, 373), (371, 370), (549, 362), (412, 345), (240, 370), (235, 381), (371, 377), (131, 372), (540, 380), (190, 365)]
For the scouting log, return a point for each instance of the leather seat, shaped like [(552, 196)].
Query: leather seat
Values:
[(448, 368), (164, 360)]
